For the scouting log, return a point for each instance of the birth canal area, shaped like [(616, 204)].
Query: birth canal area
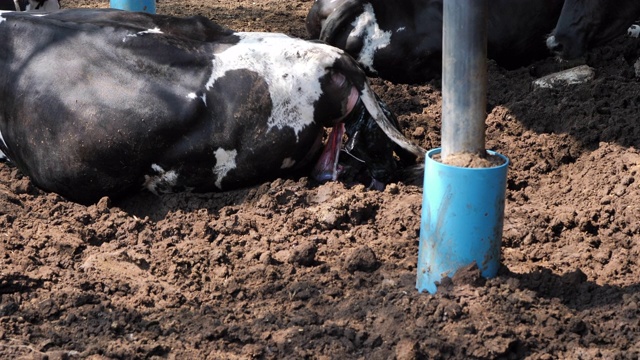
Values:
[(290, 269)]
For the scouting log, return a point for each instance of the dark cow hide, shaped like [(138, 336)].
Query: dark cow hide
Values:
[(401, 40), (100, 102), (585, 24)]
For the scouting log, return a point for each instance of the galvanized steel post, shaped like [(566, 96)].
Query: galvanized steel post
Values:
[(464, 76)]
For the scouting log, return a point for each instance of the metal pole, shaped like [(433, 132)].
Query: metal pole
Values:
[(464, 76)]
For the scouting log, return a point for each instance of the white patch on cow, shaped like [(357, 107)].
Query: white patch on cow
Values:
[(2, 139), (32, 13), (139, 33), (634, 31), (194, 96), (2, 155), (166, 178), (291, 67), (287, 163), (366, 28), (157, 168), (225, 162), (150, 31), (551, 42), (402, 28), (47, 6)]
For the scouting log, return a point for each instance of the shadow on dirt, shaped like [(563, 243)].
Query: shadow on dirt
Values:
[(572, 288), (601, 110), (16, 283)]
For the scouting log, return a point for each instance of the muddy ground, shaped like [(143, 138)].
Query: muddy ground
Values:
[(291, 270)]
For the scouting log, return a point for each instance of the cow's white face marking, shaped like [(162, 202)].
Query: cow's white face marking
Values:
[(203, 97), (634, 31), (366, 27), (168, 179), (287, 163), (225, 162), (291, 67)]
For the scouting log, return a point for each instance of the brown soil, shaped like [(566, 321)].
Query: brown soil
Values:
[(288, 270), (469, 160)]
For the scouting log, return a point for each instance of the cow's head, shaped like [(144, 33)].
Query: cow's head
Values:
[(372, 130), (584, 24)]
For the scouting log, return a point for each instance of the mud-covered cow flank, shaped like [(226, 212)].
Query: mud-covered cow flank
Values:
[(138, 100)]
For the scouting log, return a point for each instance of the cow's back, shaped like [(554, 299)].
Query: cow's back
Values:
[(88, 97)]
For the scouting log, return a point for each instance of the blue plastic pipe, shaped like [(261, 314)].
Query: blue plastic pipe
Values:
[(462, 218), (148, 6)]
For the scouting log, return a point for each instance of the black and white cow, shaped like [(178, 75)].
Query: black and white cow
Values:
[(138, 100), (585, 24), (401, 40), (30, 5)]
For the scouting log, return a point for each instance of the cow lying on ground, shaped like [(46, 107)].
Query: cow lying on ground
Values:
[(585, 24), (401, 40), (138, 100), (29, 5)]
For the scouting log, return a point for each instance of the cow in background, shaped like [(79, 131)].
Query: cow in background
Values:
[(30, 5), (585, 24), (401, 40)]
